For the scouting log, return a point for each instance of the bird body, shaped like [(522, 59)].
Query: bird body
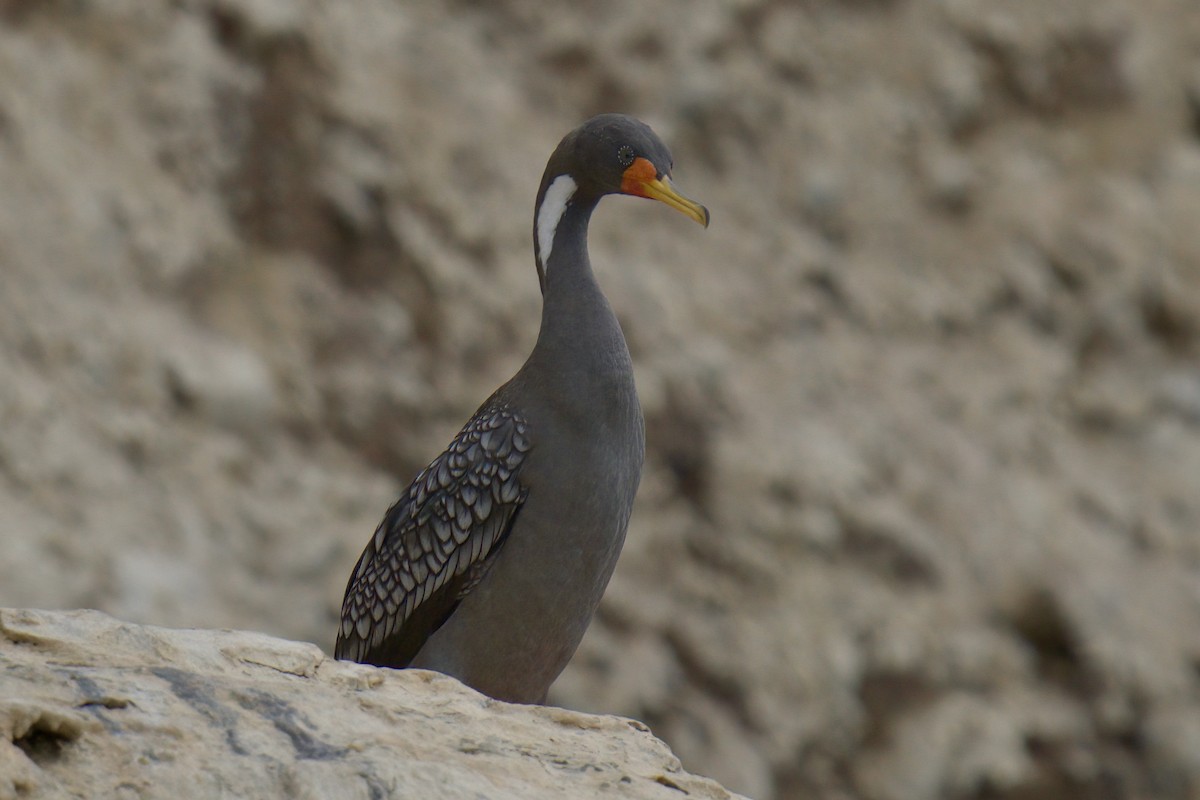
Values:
[(491, 564)]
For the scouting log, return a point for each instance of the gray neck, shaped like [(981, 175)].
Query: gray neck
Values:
[(580, 335), (569, 268)]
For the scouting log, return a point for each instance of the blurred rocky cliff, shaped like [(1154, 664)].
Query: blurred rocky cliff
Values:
[(921, 517)]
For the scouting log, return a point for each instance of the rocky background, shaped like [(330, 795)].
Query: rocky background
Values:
[(921, 517)]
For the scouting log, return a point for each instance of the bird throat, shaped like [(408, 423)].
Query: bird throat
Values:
[(550, 213)]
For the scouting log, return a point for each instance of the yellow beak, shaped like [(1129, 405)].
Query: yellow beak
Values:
[(663, 190)]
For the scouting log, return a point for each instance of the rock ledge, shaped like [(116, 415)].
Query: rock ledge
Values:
[(94, 707)]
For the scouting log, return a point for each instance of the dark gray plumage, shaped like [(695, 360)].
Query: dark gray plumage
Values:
[(433, 544), (491, 563)]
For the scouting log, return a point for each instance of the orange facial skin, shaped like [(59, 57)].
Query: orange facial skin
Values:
[(637, 175), (641, 180)]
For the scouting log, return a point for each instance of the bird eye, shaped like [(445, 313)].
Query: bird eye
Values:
[(625, 155)]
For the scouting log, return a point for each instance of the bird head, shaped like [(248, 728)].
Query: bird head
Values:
[(617, 154)]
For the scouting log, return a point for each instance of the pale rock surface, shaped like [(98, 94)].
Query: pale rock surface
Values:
[(94, 707)]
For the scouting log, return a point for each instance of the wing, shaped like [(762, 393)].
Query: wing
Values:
[(436, 542)]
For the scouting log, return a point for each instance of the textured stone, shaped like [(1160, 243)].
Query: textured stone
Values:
[(94, 707)]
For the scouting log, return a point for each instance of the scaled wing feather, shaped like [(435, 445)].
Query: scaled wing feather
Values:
[(435, 543)]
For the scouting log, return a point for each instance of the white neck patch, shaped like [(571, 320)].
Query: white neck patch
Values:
[(554, 205)]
